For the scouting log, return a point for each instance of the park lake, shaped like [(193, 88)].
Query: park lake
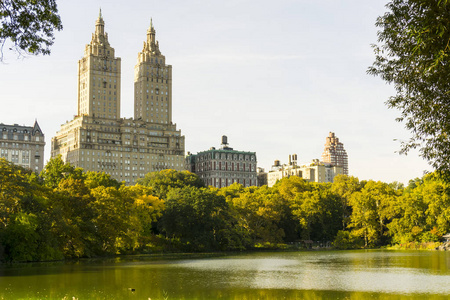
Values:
[(377, 274)]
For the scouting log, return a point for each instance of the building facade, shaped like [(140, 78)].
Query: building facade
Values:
[(261, 176), (23, 145), (223, 167), (334, 153), (316, 171), (98, 139)]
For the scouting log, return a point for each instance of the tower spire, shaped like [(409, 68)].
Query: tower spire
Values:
[(152, 44), (100, 24)]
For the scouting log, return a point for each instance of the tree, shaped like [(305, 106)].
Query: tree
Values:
[(29, 25), (372, 209), (95, 179), (56, 170), (344, 186), (144, 213), (363, 220), (24, 225), (14, 187), (260, 212), (319, 213), (200, 219), (413, 55), (424, 211), (72, 218), (163, 181)]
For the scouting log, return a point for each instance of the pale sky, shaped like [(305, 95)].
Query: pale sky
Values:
[(274, 76)]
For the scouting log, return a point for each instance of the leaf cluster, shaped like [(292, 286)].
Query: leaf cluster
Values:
[(412, 53), (29, 25)]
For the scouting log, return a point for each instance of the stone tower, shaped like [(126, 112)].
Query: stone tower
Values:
[(334, 153), (152, 83), (99, 77), (98, 139)]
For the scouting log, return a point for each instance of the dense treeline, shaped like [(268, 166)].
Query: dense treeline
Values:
[(67, 213)]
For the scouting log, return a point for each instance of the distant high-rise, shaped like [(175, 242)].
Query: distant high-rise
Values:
[(334, 153)]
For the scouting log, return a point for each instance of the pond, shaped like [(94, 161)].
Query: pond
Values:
[(377, 274)]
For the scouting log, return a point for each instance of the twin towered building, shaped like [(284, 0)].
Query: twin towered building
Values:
[(99, 139)]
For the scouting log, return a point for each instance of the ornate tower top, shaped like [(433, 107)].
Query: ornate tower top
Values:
[(99, 44), (100, 25), (151, 45)]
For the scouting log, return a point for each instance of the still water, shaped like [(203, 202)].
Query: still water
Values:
[(287, 275)]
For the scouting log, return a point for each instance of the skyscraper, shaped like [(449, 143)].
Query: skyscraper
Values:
[(334, 153), (99, 77), (152, 83), (98, 139)]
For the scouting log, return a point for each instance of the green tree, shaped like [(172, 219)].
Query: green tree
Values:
[(260, 212), (143, 214), (20, 239), (14, 186), (319, 213), (29, 25), (413, 54), (95, 179), (72, 218), (289, 187), (363, 220), (56, 169), (163, 181), (200, 219), (372, 210), (111, 220), (436, 194), (423, 211), (411, 220), (344, 186), (25, 225)]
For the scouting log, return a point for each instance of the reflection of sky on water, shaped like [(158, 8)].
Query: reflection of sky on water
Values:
[(293, 275), (376, 271)]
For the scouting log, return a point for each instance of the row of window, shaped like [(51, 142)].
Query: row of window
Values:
[(224, 156), (18, 145), (16, 137), (226, 167), (223, 182)]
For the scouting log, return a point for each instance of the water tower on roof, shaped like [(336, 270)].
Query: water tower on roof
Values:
[(225, 143)]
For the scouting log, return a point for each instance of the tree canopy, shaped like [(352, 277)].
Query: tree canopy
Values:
[(413, 54), (165, 180), (28, 25), (67, 213)]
